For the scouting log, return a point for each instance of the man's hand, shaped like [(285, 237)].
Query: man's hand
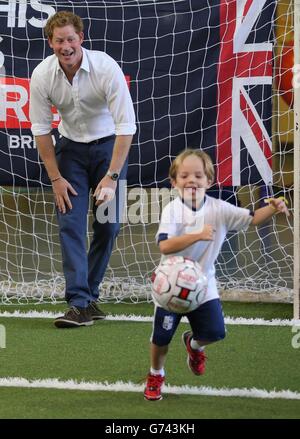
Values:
[(60, 190), (105, 191)]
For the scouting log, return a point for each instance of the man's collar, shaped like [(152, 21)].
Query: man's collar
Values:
[(85, 62)]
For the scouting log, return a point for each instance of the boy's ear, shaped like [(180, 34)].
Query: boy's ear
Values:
[(210, 183), (173, 182)]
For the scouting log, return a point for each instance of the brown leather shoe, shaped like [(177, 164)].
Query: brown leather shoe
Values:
[(95, 312), (73, 318)]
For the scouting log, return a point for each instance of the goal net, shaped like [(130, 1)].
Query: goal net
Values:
[(210, 74)]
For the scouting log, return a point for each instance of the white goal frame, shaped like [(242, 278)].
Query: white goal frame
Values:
[(296, 161)]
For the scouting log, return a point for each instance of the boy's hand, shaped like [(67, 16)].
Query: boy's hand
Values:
[(207, 233), (278, 204)]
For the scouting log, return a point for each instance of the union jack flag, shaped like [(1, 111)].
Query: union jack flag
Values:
[(243, 67)]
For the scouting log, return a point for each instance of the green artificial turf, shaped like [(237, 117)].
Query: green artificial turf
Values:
[(233, 309), (250, 356), (74, 404)]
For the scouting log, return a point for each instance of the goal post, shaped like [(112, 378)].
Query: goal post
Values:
[(212, 75), (297, 159)]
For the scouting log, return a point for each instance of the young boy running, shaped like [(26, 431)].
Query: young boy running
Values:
[(195, 225)]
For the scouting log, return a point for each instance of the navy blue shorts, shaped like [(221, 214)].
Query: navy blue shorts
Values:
[(207, 323)]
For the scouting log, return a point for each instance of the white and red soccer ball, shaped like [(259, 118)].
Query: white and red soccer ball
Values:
[(179, 284)]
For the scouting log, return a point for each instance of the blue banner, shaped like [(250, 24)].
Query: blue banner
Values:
[(199, 72)]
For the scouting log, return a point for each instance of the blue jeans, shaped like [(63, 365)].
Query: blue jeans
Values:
[(83, 166)]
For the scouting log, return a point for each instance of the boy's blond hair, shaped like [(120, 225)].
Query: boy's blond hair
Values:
[(206, 160), (61, 19)]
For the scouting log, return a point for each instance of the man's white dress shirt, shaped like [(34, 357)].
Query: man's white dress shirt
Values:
[(97, 104)]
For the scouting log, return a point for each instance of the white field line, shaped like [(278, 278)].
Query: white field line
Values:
[(134, 318), (120, 386)]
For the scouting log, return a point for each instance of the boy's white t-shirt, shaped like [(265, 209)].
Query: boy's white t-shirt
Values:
[(179, 219)]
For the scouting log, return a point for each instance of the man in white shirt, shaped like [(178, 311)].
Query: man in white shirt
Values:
[(97, 124)]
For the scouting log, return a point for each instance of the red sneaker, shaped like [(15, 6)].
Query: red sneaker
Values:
[(195, 359), (152, 390)]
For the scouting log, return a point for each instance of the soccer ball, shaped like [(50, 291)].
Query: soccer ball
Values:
[(179, 285)]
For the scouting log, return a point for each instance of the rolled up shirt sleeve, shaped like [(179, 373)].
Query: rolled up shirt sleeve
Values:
[(120, 103), (40, 112)]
